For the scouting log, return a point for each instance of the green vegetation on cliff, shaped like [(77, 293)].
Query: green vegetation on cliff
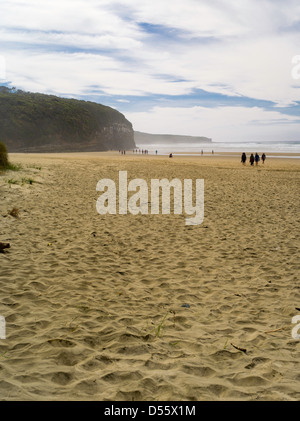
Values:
[(3, 156), (147, 138), (34, 122)]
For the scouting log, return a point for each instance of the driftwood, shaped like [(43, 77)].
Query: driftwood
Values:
[(275, 330), (239, 349), (4, 246)]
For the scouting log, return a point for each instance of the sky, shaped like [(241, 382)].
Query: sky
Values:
[(228, 70)]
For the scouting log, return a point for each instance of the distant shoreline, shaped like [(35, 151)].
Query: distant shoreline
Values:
[(207, 148), (277, 155)]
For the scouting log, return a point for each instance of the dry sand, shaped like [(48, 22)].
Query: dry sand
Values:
[(94, 304)]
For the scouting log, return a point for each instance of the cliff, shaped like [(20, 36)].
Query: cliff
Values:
[(33, 122), (146, 138)]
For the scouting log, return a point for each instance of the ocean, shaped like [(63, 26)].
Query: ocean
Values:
[(219, 147)]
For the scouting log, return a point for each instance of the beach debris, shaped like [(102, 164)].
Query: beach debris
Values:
[(185, 305), (14, 212), (93, 234), (275, 330), (174, 343), (4, 246), (238, 348), (160, 327), (225, 344)]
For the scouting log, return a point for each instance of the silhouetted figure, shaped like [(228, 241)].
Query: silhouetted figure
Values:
[(257, 158), (263, 157), (244, 158), (171, 155), (251, 159)]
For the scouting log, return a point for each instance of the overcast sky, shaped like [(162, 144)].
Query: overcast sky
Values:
[(222, 69)]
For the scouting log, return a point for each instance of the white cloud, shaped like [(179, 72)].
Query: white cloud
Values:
[(2, 68), (226, 47), (70, 39), (70, 16), (221, 124), (75, 72), (250, 58)]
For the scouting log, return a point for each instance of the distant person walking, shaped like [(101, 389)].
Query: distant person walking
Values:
[(263, 157), (244, 158), (251, 160), (257, 158)]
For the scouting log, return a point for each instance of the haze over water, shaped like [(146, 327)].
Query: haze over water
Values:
[(250, 147)]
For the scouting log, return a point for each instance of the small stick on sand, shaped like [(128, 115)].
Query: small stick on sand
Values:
[(238, 348), (275, 330)]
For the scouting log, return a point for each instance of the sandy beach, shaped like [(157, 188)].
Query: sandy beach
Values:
[(143, 307)]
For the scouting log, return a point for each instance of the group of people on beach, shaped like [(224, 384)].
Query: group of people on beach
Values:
[(253, 158), (143, 151)]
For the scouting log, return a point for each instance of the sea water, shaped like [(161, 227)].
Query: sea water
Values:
[(220, 147)]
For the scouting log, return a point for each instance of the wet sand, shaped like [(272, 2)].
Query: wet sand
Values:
[(124, 307)]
